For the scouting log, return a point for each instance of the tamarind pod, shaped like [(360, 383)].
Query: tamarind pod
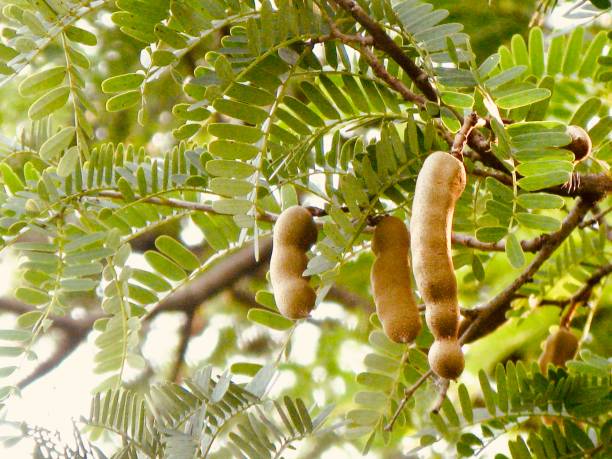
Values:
[(295, 226), (439, 185), (581, 142), (444, 318), (294, 233), (446, 359), (559, 347), (391, 281), (295, 298)]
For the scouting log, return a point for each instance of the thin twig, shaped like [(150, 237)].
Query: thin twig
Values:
[(583, 294), (501, 177), (442, 390), (597, 218), (408, 393), (184, 337), (177, 203), (469, 123), (528, 245)]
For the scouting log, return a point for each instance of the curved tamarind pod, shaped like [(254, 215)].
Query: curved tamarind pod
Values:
[(294, 233), (439, 185), (581, 142), (391, 284), (558, 349)]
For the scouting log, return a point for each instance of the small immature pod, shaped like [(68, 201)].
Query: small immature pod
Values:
[(439, 185), (558, 349), (581, 142), (294, 233), (391, 283)]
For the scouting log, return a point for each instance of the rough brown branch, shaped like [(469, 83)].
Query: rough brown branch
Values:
[(365, 42), (492, 314), (73, 331), (582, 295), (381, 72), (588, 184), (481, 147), (493, 173), (220, 276), (383, 42)]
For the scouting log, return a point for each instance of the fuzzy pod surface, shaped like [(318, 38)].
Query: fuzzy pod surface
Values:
[(559, 347), (390, 278), (581, 142), (439, 185), (294, 233), (446, 358)]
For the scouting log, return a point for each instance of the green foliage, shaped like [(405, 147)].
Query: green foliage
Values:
[(245, 108), (184, 421)]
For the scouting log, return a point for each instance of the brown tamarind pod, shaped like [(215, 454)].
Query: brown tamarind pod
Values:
[(391, 281), (446, 359), (294, 233), (581, 142), (439, 185), (559, 347)]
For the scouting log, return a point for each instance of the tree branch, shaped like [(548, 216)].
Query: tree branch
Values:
[(530, 245), (587, 184), (381, 72), (492, 314), (74, 331), (442, 390), (349, 299), (584, 293), (178, 203), (469, 122), (184, 336), (67, 324), (597, 218), (457, 238), (383, 42), (409, 392), (65, 347), (220, 276), (377, 67)]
